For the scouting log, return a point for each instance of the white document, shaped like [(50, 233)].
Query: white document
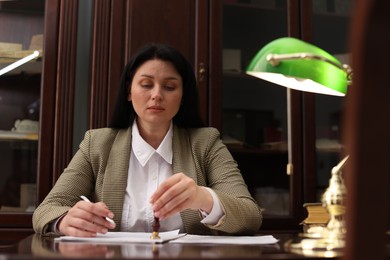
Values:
[(124, 237), (236, 240), (170, 236)]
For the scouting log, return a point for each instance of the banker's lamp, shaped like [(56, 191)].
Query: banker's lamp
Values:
[(299, 65)]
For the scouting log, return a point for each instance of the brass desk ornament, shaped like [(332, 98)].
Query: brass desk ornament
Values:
[(329, 240)]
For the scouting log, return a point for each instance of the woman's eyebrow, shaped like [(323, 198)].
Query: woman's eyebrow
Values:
[(147, 76), (172, 78), (152, 77)]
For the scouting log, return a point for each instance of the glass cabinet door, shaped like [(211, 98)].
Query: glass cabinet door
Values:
[(254, 112), (21, 33), (330, 29)]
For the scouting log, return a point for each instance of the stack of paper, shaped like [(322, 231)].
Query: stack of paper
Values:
[(124, 237), (171, 237)]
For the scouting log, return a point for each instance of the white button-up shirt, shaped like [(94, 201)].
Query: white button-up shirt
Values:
[(148, 168)]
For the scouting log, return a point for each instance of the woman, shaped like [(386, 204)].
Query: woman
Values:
[(154, 160)]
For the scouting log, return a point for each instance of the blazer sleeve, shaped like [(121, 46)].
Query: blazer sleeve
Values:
[(222, 175), (76, 180)]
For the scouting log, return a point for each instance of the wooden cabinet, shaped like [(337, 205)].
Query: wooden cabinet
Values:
[(26, 129), (116, 29), (259, 121), (203, 30), (285, 142), (87, 44), (330, 29), (121, 27), (55, 90)]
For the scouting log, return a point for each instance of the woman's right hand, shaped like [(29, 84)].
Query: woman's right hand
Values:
[(86, 219)]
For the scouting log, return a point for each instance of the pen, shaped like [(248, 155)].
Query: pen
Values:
[(87, 200)]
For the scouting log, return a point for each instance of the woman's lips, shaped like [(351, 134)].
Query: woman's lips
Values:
[(156, 108)]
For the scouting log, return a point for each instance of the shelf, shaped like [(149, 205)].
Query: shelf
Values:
[(23, 6), (267, 148), (262, 5), (30, 59), (236, 74), (9, 56), (32, 67), (329, 146), (15, 136)]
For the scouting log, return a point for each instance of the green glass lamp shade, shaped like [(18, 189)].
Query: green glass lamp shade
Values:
[(301, 72)]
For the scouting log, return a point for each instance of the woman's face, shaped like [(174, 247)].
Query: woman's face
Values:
[(156, 92)]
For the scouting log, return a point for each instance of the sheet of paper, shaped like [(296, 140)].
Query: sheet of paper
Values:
[(237, 240), (124, 237), (170, 236)]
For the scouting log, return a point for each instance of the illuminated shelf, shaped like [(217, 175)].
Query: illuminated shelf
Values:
[(12, 135)]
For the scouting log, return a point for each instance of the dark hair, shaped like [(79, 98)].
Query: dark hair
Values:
[(188, 114)]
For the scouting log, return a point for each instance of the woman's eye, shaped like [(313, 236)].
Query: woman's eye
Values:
[(169, 87), (147, 85)]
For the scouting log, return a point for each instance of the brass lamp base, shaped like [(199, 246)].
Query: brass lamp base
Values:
[(330, 240), (318, 241), (319, 247)]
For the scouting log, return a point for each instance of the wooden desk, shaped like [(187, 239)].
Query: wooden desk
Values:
[(38, 247)]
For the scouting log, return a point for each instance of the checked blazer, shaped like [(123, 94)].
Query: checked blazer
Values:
[(99, 170)]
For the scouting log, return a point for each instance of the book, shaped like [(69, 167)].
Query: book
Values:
[(317, 215)]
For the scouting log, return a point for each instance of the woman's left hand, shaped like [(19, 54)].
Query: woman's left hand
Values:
[(177, 193)]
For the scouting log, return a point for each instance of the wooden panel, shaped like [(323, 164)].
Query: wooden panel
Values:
[(117, 52), (309, 186), (295, 121), (46, 135), (202, 56), (367, 133), (67, 51), (14, 227), (100, 63), (215, 65), (161, 21), (121, 27), (107, 59), (17, 220), (9, 237)]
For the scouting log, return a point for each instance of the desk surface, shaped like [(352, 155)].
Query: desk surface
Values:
[(36, 246)]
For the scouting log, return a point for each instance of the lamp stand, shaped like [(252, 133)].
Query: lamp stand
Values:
[(329, 240)]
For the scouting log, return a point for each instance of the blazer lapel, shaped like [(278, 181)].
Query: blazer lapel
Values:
[(183, 161), (182, 155), (115, 179)]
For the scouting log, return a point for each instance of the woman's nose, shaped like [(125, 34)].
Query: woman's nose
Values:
[(156, 93)]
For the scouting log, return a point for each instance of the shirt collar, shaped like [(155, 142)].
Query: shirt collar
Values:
[(143, 151)]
